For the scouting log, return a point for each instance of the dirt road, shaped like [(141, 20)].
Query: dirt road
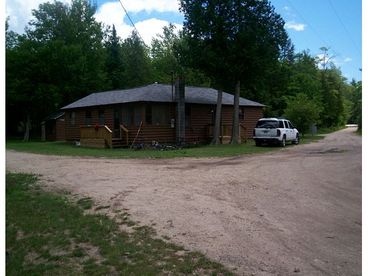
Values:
[(292, 212)]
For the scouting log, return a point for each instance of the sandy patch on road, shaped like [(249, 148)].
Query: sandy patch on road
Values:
[(297, 211)]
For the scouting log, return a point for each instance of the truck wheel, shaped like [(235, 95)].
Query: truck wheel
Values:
[(296, 141)]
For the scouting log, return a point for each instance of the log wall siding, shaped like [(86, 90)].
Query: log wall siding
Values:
[(149, 133), (72, 131), (201, 118), (252, 115), (196, 131), (60, 129)]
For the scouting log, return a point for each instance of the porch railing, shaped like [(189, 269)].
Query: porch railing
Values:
[(96, 136), (226, 132), (242, 133), (124, 132)]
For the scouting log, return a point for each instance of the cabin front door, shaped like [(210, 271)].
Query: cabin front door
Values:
[(117, 122)]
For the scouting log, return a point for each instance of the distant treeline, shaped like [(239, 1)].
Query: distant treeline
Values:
[(65, 54)]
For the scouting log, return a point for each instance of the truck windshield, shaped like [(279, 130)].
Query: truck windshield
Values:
[(267, 124)]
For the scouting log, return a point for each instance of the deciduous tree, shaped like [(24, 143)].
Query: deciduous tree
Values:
[(302, 111), (233, 41), (138, 70), (114, 61), (58, 60)]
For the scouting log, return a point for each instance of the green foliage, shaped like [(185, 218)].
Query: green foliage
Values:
[(164, 61), (85, 203), (332, 90), (11, 37), (65, 55), (326, 89), (302, 111), (72, 44), (58, 60), (46, 234), (232, 40), (114, 61), (165, 53), (356, 104), (137, 71), (305, 77)]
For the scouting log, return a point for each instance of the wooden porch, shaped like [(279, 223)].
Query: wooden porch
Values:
[(226, 132), (101, 137)]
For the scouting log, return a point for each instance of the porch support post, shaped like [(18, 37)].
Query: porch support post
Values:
[(180, 110)]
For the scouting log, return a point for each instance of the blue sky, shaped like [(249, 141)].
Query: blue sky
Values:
[(311, 24), (335, 24)]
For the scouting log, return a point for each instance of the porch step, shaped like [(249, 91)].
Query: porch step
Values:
[(118, 143)]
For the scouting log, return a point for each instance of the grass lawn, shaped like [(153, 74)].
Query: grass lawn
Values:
[(62, 148), (47, 234)]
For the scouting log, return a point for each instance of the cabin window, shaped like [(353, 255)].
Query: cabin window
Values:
[(160, 115), (72, 118), (241, 113), (137, 115), (188, 115), (132, 115), (88, 118), (127, 117), (148, 114), (101, 117)]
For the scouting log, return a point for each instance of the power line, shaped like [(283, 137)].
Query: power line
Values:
[(131, 21), (313, 29), (343, 25)]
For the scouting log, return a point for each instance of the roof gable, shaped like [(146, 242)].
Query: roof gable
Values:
[(157, 93)]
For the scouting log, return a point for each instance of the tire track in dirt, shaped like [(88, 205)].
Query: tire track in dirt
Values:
[(294, 211)]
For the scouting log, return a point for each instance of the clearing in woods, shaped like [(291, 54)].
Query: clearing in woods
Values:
[(295, 210)]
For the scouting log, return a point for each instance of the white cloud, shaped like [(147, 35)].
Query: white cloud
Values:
[(150, 5), (295, 26), (112, 13), (337, 61), (20, 12), (151, 27)]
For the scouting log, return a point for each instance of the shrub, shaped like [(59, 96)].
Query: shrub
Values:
[(302, 111)]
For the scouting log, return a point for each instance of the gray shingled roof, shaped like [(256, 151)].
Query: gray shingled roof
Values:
[(54, 116), (157, 93)]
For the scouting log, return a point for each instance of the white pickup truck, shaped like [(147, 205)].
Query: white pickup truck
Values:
[(275, 131)]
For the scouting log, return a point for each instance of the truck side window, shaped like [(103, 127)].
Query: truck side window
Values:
[(281, 124)]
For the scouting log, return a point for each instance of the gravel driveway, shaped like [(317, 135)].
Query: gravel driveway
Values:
[(292, 212)]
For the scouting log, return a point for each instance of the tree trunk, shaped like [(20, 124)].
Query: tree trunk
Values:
[(235, 129), (217, 126), (43, 131), (27, 128)]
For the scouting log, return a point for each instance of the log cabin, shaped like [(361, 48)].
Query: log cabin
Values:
[(155, 113), (53, 127)]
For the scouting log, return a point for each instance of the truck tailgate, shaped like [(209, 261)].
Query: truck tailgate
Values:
[(265, 132)]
